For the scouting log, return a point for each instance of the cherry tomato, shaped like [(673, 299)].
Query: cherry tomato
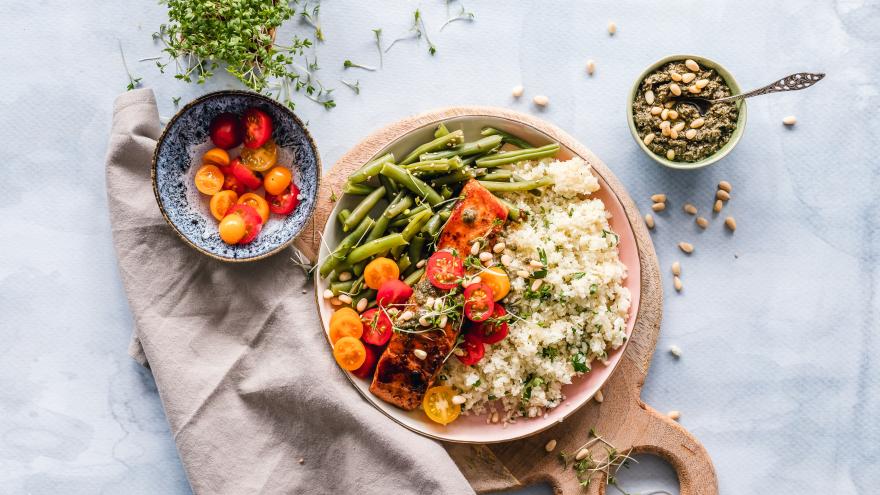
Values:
[(232, 229), (366, 369), (209, 179), (226, 131), (257, 128), (230, 183), (262, 158), (478, 302), (379, 271), (473, 350), (252, 180), (496, 278), (438, 405), (284, 203), (393, 292), (494, 329), (216, 156), (377, 327), (222, 202), (277, 180), (257, 202), (252, 221), (345, 322), (444, 270), (350, 353)]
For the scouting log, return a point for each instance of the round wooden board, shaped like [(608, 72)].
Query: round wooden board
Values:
[(622, 418)]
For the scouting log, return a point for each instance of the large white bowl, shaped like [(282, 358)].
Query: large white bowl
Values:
[(472, 428)]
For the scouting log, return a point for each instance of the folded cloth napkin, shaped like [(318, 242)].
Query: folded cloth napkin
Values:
[(255, 401)]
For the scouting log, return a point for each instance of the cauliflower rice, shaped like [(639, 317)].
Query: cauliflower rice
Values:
[(577, 315)]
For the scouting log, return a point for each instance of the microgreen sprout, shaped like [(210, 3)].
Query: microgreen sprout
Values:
[(348, 64), (588, 466), (463, 15), (378, 34), (176, 101), (311, 18), (418, 30), (354, 86), (133, 82)]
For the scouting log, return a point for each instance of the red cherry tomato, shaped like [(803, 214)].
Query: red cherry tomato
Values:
[(377, 327), (478, 302), (494, 329), (444, 270), (252, 180), (284, 203), (226, 131), (369, 365), (252, 220), (473, 350), (230, 183), (393, 292), (257, 128)]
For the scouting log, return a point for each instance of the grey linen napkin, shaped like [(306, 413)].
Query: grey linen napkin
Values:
[(255, 401)]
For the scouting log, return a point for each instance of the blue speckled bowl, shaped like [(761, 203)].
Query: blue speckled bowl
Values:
[(178, 155)]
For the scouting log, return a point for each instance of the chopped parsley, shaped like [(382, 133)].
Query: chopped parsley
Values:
[(579, 361)]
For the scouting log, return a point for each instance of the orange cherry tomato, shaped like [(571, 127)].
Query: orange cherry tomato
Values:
[(232, 229), (240, 218), (350, 353), (262, 158), (209, 180), (276, 180), (438, 405), (257, 202), (222, 202), (379, 271), (496, 278), (345, 322), (216, 156)]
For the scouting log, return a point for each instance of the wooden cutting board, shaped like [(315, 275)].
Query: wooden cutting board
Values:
[(622, 418)]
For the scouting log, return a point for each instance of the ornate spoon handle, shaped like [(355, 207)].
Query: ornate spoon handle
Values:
[(794, 82)]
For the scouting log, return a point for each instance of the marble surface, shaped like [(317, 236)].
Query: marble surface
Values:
[(779, 376)]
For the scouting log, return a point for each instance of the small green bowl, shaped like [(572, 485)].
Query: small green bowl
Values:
[(734, 88)]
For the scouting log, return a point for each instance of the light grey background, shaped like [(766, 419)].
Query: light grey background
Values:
[(779, 376)]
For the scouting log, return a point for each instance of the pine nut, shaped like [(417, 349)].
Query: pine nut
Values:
[(676, 282), (686, 247), (675, 76), (664, 114), (327, 293), (658, 206), (722, 195), (345, 298), (599, 397), (702, 83), (536, 264), (582, 454), (537, 285), (675, 350), (669, 104), (693, 88), (656, 110), (362, 305), (665, 131), (690, 209), (658, 198), (421, 263), (673, 134), (674, 415), (458, 400), (697, 123), (591, 66), (687, 77), (649, 221), (517, 91), (673, 115), (506, 259), (407, 315), (730, 223), (335, 301), (498, 247), (485, 256), (541, 100), (692, 65), (495, 417), (648, 138), (718, 205), (790, 120), (420, 354), (612, 28), (678, 127), (522, 274), (702, 222), (551, 445), (725, 186), (424, 321), (690, 133), (345, 276), (649, 97), (676, 269), (665, 125), (670, 154), (675, 89)]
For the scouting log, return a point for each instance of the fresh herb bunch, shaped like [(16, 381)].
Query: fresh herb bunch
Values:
[(203, 35)]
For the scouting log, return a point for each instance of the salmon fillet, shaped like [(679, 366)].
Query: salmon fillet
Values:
[(401, 378)]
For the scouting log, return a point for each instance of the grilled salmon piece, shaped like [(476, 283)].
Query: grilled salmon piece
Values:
[(401, 378)]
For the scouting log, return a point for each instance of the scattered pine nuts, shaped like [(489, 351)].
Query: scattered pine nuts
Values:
[(541, 100), (517, 91), (675, 350), (790, 120), (551, 445), (686, 247), (702, 83), (690, 133), (676, 282), (665, 125), (475, 249), (591, 66), (536, 264), (693, 88), (443, 321), (687, 77), (407, 315), (656, 110), (673, 415), (522, 274), (327, 293), (658, 206), (670, 154), (485, 256), (730, 223), (678, 127), (664, 114), (649, 138), (718, 205), (673, 115), (345, 276), (674, 135), (506, 259), (676, 269), (649, 221), (582, 454), (675, 89), (421, 263), (725, 186), (649, 97), (362, 305), (301, 460), (612, 28), (424, 321), (690, 209), (722, 195), (498, 247), (697, 123), (675, 76), (335, 301), (702, 222), (495, 416), (536, 285), (420, 354), (658, 198), (692, 65), (458, 400), (599, 397)]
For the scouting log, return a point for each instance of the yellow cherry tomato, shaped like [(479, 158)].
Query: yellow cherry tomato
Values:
[(350, 353), (379, 271), (262, 158), (232, 229), (216, 156), (438, 405), (277, 180), (345, 322), (222, 202), (209, 180), (258, 203), (496, 278)]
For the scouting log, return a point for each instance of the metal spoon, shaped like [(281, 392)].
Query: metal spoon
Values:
[(794, 82)]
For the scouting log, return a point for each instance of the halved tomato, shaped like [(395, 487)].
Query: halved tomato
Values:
[(222, 202), (257, 202), (230, 183), (284, 203), (473, 350), (252, 180), (209, 179), (257, 128), (494, 329), (438, 405), (226, 131), (252, 221), (393, 292), (366, 369), (377, 327), (478, 302), (262, 158), (444, 270)]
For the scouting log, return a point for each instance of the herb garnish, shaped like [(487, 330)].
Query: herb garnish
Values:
[(354, 86), (133, 82), (378, 33), (311, 19), (463, 15), (418, 30), (348, 64), (579, 361)]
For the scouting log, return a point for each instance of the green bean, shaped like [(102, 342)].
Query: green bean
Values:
[(512, 211), (518, 156), (370, 169), (444, 215), (517, 186), (418, 209), (483, 145), (471, 159), (358, 268), (375, 246), (358, 285), (508, 138), (378, 229), (448, 141), (410, 182), (414, 277), (400, 204), (415, 248), (391, 188), (442, 165), (340, 287), (445, 192), (454, 177), (500, 174), (441, 130), (433, 225), (345, 246), (357, 189), (403, 263), (368, 294), (414, 227), (360, 211), (342, 215)]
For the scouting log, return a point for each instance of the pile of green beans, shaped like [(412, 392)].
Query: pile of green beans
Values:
[(406, 203)]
